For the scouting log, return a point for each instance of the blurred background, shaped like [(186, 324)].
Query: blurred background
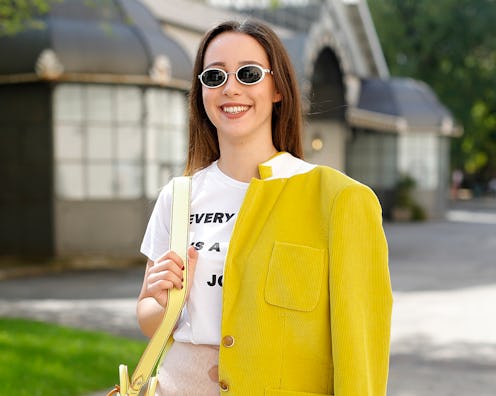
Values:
[(398, 94)]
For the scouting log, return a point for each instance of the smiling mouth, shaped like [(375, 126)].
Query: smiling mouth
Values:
[(234, 109)]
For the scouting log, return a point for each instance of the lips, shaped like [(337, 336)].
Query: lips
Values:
[(234, 109)]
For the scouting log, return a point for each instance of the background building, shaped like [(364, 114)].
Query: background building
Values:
[(94, 115), (92, 123)]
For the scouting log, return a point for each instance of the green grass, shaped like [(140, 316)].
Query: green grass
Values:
[(40, 359)]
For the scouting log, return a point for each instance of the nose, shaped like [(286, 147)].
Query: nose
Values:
[(231, 86)]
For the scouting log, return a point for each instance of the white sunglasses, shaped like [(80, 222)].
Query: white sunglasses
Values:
[(246, 74)]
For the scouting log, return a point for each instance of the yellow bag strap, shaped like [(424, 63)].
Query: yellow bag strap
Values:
[(179, 241)]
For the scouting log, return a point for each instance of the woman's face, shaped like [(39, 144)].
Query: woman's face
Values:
[(241, 113)]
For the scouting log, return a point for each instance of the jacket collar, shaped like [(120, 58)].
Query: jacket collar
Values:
[(283, 165)]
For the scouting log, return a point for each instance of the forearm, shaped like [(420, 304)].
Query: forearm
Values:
[(159, 279), (150, 314), (148, 310)]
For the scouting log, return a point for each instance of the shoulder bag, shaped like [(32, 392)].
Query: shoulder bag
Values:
[(161, 341)]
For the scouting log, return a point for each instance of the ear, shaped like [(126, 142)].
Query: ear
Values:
[(277, 97)]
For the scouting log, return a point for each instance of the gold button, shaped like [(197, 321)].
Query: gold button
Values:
[(228, 341), (223, 386)]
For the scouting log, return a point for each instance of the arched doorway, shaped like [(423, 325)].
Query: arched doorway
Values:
[(327, 129)]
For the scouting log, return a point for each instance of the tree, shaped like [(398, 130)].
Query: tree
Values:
[(18, 15), (451, 45)]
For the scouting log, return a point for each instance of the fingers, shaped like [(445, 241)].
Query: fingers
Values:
[(166, 273), (173, 256)]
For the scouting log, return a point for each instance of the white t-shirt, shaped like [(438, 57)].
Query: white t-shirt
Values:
[(215, 202)]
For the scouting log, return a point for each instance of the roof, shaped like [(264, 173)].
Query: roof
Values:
[(295, 46), (400, 105), (195, 16), (114, 41)]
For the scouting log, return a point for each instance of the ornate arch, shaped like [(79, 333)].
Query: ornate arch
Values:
[(326, 34)]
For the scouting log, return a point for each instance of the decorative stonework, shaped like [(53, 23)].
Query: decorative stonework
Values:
[(325, 33), (353, 89), (160, 71), (48, 65)]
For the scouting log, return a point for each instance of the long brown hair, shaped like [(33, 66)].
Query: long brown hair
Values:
[(286, 115)]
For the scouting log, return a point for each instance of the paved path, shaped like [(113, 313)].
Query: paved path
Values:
[(89, 299), (444, 318)]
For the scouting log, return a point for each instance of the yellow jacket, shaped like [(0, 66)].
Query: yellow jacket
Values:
[(306, 295)]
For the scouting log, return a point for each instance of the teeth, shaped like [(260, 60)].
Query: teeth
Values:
[(235, 109)]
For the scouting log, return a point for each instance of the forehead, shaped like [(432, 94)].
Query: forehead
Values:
[(235, 48)]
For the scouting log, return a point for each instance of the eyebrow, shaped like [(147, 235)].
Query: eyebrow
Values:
[(241, 63)]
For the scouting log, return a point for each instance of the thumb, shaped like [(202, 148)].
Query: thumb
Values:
[(192, 260)]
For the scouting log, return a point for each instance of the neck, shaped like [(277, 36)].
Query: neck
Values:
[(242, 163)]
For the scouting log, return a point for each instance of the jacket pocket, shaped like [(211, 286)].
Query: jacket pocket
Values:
[(294, 278), (280, 392)]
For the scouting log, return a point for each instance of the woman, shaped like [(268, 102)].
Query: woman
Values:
[(290, 285)]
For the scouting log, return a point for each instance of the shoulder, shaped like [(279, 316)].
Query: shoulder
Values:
[(202, 173), (286, 166), (335, 176), (313, 180), (333, 182), (340, 190)]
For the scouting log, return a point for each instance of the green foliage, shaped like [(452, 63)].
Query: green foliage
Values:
[(404, 198), (451, 45), (46, 360), (404, 189), (18, 15)]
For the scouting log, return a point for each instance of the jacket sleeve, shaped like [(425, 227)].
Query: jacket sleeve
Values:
[(360, 294)]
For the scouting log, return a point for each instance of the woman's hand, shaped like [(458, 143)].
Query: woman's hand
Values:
[(167, 273)]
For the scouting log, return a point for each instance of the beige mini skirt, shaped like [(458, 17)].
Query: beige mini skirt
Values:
[(189, 370)]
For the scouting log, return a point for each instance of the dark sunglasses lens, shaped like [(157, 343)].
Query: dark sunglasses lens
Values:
[(250, 74), (213, 78)]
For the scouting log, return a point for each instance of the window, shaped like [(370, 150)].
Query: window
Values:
[(419, 154), (371, 159), (117, 142), (166, 141)]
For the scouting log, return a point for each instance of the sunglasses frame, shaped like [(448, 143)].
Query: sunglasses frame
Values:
[(226, 75)]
